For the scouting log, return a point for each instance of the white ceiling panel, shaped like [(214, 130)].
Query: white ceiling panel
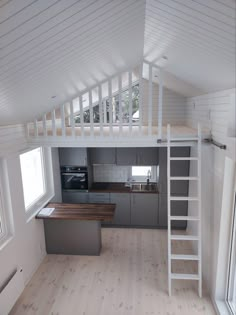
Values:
[(61, 47), (197, 37), (50, 50)]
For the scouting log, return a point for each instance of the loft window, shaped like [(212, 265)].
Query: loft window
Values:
[(231, 292), (115, 108), (32, 171)]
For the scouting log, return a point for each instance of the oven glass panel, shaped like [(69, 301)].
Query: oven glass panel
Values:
[(75, 181)]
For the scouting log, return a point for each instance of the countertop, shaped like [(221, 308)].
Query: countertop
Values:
[(83, 211), (117, 187)]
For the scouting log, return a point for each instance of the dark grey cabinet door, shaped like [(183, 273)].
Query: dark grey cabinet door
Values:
[(178, 168), (144, 209), (99, 197), (177, 208), (122, 212), (102, 155), (75, 197), (147, 156), (73, 156), (126, 156)]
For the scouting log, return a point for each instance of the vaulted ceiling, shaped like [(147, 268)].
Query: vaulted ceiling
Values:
[(50, 50)]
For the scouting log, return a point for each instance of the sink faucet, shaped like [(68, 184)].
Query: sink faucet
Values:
[(148, 176)]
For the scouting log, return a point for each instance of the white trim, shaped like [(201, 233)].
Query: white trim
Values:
[(5, 201), (48, 188)]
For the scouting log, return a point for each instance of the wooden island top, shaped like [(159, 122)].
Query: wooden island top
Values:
[(82, 211)]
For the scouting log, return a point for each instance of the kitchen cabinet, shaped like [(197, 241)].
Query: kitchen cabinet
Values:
[(177, 208), (137, 156), (75, 197), (99, 197), (102, 155), (122, 212), (147, 156), (178, 168), (144, 209), (73, 156), (126, 156)]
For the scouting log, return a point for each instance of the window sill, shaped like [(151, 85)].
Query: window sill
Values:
[(30, 214), (5, 240), (222, 308)]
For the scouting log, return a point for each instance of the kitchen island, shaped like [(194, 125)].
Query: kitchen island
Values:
[(75, 229)]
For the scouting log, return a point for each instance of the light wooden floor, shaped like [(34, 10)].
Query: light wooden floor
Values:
[(130, 277)]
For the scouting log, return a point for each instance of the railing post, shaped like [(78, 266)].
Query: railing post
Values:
[(81, 114), (72, 120), (150, 101), (63, 129), (140, 98), (130, 102), (100, 109), (160, 105), (120, 103), (110, 106), (91, 113)]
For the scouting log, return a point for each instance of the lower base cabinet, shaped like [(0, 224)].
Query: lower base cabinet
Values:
[(122, 212), (144, 209)]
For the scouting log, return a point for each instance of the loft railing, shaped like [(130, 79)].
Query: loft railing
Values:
[(119, 106)]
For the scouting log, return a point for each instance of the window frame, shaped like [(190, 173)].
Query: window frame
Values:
[(40, 202), (231, 278), (154, 173), (5, 206)]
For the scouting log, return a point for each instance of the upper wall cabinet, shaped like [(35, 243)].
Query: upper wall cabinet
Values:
[(126, 156), (102, 155), (137, 156), (73, 156), (147, 156)]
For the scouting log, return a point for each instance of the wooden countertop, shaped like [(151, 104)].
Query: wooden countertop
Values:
[(82, 211)]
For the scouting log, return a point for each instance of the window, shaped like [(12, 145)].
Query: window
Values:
[(115, 108), (32, 171), (231, 292), (6, 223), (142, 173)]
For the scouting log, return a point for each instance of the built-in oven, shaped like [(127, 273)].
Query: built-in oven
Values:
[(74, 178)]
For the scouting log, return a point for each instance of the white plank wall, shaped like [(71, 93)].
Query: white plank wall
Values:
[(12, 139), (212, 111), (174, 106)]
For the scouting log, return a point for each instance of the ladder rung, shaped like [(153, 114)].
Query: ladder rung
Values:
[(183, 178), (184, 237), (184, 158), (184, 276), (182, 198), (183, 218), (184, 257)]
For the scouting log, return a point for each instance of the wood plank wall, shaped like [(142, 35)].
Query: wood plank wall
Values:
[(174, 106), (12, 139), (213, 111)]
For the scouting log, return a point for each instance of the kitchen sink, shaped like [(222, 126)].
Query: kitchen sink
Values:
[(144, 187)]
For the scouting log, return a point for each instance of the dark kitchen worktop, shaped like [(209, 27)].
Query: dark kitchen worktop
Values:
[(84, 211), (116, 188)]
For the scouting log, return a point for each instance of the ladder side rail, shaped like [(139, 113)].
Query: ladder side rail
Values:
[(199, 214), (169, 210)]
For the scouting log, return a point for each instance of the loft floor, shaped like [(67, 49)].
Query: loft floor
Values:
[(130, 277), (115, 130)]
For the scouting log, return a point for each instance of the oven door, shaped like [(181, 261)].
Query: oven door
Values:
[(74, 181)]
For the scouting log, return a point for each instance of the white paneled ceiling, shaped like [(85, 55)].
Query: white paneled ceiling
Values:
[(60, 47), (197, 37), (50, 50)]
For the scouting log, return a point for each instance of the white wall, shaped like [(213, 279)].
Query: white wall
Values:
[(213, 111), (26, 248), (174, 105)]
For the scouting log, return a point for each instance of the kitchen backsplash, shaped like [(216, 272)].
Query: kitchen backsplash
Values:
[(110, 173)]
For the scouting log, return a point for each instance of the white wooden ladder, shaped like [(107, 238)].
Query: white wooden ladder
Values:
[(197, 218)]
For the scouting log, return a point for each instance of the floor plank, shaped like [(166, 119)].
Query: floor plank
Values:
[(129, 278)]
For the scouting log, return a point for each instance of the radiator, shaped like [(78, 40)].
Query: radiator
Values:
[(10, 291)]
